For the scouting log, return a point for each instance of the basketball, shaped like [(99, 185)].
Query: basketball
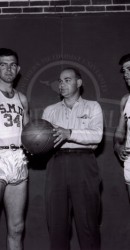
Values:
[(37, 137)]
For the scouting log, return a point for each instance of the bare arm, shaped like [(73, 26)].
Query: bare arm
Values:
[(120, 134), (26, 108)]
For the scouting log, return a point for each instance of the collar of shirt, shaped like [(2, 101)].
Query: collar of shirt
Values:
[(80, 99)]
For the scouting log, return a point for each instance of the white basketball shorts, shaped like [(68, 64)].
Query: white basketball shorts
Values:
[(13, 166)]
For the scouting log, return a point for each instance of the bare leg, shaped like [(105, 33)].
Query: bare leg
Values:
[(2, 189), (15, 201), (128, 189)]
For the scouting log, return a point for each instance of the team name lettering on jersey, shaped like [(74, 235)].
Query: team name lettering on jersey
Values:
[(11, 109)]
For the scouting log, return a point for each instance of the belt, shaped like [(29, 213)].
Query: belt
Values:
[(76, 150), (12, 146)]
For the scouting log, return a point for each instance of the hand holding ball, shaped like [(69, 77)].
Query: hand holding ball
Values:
[(37, 137)]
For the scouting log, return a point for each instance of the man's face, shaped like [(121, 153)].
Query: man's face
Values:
[(68, 83), (8, 68), (126, 72)]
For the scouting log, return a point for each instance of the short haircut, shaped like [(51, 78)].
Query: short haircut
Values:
[(8, 52), (124, 59), (76, 71)]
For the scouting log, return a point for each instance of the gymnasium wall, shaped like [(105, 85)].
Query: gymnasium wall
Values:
[(94, 43), (62, 6)]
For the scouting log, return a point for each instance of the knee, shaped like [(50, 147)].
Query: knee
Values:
[(16, 230)]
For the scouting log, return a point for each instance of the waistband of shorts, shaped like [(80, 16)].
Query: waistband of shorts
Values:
[(76, 150), (11, 146)]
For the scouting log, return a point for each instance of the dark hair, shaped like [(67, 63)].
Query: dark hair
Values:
[(76, 71), (124, 59), (8, 52)]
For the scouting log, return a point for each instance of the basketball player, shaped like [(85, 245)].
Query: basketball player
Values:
[(122, 134), (13, 164), (72, 178)]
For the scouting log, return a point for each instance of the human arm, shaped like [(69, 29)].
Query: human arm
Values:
[(25, 107), (90, 130), (120, 134)]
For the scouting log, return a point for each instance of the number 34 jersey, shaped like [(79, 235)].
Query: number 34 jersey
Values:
[(11, 120)]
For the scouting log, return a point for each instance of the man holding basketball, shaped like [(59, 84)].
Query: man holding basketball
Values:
[(13, 164), (122, 134), (72, 178)]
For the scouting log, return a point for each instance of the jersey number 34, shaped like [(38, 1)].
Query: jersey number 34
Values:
[(10, 120)]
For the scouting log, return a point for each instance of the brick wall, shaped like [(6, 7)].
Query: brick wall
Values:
[(62, 6)]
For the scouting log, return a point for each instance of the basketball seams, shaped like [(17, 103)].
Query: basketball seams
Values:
[(48, 139), (47, 142)]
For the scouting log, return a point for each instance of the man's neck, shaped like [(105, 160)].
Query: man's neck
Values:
[(6, 87), (71, 101)]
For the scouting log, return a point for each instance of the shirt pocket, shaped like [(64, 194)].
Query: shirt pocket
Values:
[(83, 123)]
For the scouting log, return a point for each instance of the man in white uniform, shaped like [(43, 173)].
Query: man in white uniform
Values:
[(122, 134), (72, 178), (13, 164)]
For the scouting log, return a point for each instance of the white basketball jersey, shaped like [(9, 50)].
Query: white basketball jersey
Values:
[(127, 117), (11, 117)]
